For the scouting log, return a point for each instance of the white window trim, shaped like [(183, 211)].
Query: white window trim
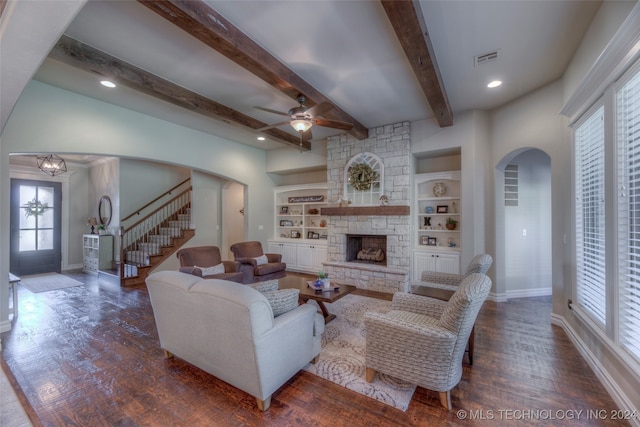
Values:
[(622, 51), (586, 117)]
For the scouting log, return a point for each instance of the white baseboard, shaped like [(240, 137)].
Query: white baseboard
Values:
[(524, 293), (606, 380), (497, 297)]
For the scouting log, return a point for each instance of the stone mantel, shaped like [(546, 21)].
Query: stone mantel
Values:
[(365, 210)]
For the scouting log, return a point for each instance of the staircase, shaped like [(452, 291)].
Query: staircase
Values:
[(151, 240)]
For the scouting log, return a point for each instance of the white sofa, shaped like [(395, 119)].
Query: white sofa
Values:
[(228, 330)]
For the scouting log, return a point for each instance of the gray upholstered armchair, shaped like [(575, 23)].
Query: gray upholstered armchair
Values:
[(255, 264), (422, 340), (479, 264)]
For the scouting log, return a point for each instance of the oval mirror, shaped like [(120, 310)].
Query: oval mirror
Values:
[(104, 210)]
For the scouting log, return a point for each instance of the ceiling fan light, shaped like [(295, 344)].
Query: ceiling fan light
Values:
[(301, 125)]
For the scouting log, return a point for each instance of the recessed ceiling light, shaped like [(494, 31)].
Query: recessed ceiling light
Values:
[(261, 138), (107, 83), (494, 83)]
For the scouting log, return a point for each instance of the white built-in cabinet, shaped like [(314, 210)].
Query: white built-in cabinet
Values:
[(439, 261), (311, 256), (436, 200), (97, 252), (287, 250), (300, 230)]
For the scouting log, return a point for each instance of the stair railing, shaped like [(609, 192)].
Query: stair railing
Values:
[(166, 193), (133, 236)]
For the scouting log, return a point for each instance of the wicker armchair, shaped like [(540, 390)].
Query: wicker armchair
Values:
[(479, 264), (422, 340)]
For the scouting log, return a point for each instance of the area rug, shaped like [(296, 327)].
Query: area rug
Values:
[(342, 358), (48, 282)]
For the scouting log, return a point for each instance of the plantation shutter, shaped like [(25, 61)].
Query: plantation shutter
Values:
[(590, 216), (628, 140)]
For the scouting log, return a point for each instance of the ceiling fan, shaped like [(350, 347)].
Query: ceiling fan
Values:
[(302, 118)]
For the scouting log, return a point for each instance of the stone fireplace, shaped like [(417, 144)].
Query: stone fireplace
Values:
[(391, 143)]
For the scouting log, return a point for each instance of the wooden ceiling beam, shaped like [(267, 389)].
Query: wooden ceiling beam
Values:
[(408, 22), (207, 25), (87, 58)]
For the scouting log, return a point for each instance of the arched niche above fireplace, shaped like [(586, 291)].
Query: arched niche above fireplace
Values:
[(363, 180)]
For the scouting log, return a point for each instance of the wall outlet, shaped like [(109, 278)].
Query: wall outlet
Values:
[(261, 227)]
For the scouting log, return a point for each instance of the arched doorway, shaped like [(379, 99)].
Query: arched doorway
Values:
[(523, 224)]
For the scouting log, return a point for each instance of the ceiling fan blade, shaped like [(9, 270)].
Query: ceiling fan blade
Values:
[(333, 124), (268, 110), (275, 125), (307, 136), (318, 109)]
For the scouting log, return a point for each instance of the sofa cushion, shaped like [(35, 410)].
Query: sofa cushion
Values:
[(231, 277), (261, 260), (282, 300), (210, 271)]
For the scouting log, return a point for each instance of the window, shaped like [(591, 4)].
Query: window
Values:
[(590, 216), (511, 185), (628, 164), (363, 178)]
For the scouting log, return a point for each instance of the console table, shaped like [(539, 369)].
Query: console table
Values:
[(13, 285)]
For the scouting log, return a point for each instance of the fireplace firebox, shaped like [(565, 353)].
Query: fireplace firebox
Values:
[(367, 248)]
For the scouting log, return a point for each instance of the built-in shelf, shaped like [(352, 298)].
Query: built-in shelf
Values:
[(366, 210)]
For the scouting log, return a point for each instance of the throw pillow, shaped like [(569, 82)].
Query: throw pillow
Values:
[(210, 271), (261, 260), (282, 300), (269, 285)]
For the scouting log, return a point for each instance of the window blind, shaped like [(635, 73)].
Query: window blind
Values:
[(628, 166), (590, 216)]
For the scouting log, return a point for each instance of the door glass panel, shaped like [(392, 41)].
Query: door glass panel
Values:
[(27, 193), (45, 195), (45, 239), (46, 219), (27, 240), (27, 221)]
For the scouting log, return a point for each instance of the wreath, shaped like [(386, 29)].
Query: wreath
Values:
[(35, 208), (361, 176)]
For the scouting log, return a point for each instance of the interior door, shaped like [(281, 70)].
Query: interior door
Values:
[(35, 227)]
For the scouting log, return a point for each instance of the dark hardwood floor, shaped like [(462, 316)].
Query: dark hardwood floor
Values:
[(89, 356)]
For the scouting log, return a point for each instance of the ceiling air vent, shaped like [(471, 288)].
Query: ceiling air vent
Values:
[(485, 57)]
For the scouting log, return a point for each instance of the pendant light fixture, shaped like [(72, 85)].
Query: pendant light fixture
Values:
[(52, 164)]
